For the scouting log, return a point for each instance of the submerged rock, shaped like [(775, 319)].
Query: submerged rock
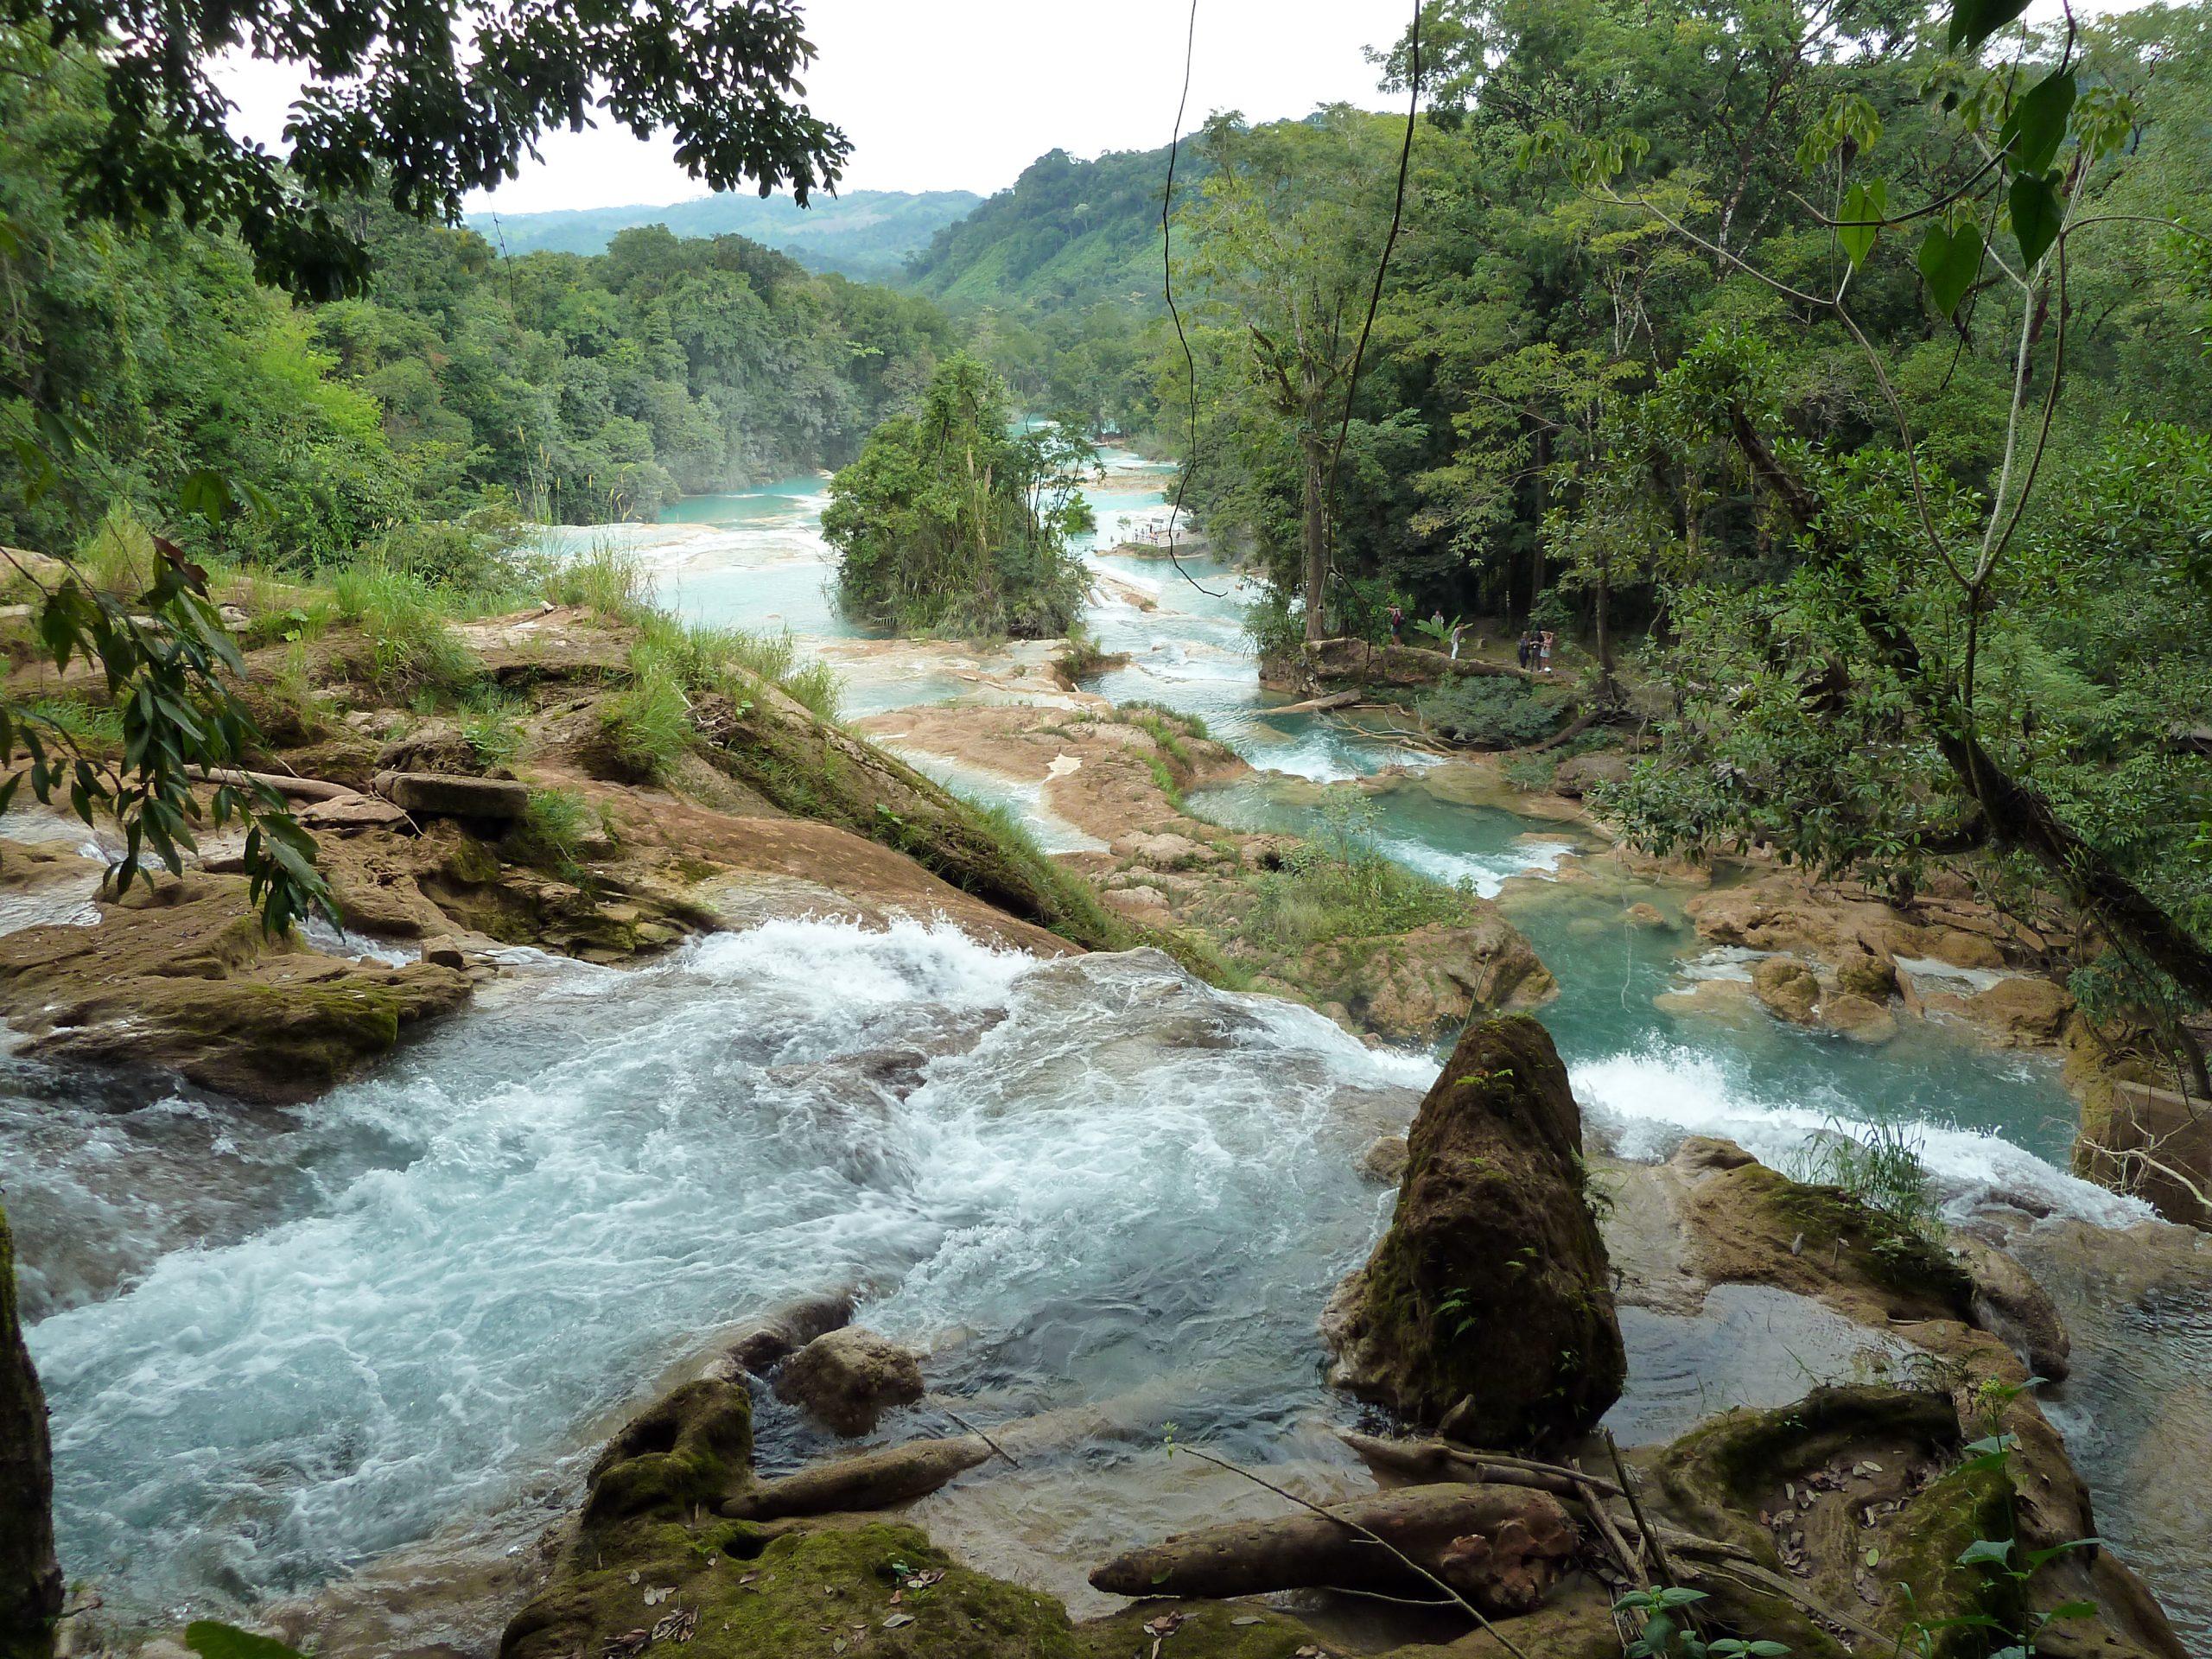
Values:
[(850, 1378), (1489, 1297)]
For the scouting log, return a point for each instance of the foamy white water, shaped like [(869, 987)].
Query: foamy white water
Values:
[(1066, 1179)]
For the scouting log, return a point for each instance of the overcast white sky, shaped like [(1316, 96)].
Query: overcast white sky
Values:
[(962, 94)]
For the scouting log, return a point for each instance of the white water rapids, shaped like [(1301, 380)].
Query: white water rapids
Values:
[(1102, 1173)]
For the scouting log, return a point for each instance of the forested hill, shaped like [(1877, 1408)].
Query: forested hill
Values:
[(1067, 235), (868, 234)]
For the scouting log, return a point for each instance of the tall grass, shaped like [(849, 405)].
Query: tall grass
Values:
[(1878, 1164), (405, 618), (606, 578), (1341, 885), (705, 658)]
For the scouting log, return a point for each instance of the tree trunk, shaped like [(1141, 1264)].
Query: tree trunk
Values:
[(1501, 1546), (2018, 814), (1317, 541), (30, 1577)]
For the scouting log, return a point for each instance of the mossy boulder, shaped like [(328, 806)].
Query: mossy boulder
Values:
[(181, 976), (1489, 1300), (1750, 1224), (1860, 1496), (691, 1448), (31, 1578), (813, 1594)]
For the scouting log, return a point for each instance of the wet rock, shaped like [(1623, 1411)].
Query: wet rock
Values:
[(1788, 988), (2011, 1306), (446, 794), (1646, 915), (1383, 1161), (757, 1348), (1576, 777), (850, 1378), (183, 978), (30, 1577), (1490, 1296), (2021, 1011), (1411, 987), (1858, 1017), (1862, 974)]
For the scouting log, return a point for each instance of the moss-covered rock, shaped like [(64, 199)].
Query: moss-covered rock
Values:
[(31, 1578), (812, 769), (1859, 1496), (813, 1594), (690, 1449), (1489, 1297), (1754, 1225), (182, 977)]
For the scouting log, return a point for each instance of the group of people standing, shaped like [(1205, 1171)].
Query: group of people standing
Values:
[(1535, 645)]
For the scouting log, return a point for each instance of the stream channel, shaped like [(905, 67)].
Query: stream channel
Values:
[(281, 1344)]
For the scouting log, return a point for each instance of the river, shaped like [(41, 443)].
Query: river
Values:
[(279, 1344)]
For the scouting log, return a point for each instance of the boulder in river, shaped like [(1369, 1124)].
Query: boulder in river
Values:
[(1489, 1297), (850, 1378), (30, 1577), (183, 977)]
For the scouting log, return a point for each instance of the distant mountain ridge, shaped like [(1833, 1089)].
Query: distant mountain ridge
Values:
[(865, 234)]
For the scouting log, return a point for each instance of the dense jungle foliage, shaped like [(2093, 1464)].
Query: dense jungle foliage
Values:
[(957, 519), (459, 384), (1852, 369)]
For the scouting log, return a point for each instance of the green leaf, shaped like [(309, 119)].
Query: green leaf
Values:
[(1995, 1552), (206, 492), (2071, 1610), (1860, 218), (1974, 22), (1949, 263), (2033, 133), (2036, 216)]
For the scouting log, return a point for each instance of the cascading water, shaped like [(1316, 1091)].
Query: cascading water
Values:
[(281, 1342), (1066, 1179)]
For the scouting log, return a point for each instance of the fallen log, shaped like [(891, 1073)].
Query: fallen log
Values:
[(1502, 1547), (874, 1480), (291, 788), (1315, 705)]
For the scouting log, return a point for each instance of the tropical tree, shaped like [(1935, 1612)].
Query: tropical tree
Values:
[(1283, 239), (952, 521)]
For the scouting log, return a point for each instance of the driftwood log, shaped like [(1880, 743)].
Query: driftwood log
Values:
[(874, 1480), (1502, 1547)]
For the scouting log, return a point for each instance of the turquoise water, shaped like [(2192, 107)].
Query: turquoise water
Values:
[(1993, 1124)]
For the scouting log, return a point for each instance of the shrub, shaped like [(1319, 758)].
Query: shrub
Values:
[(1488, 712)]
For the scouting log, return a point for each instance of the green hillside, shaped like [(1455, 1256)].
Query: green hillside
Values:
[(868, 234), (1068, 235)]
